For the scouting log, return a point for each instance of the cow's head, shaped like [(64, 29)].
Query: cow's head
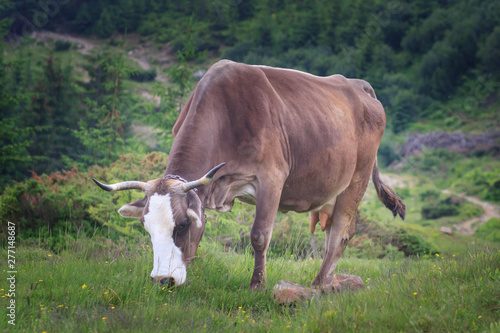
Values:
[(172, 213)]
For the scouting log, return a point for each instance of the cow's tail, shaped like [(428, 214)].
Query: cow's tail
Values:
[(387, 195)]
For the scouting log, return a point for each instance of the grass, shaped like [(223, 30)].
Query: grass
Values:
[(95, 284), (102, 283)]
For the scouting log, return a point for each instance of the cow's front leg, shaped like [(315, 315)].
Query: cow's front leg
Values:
[(265, 214)]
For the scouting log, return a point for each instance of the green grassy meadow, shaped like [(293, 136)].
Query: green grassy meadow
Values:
[(99, 285), (87, 269)]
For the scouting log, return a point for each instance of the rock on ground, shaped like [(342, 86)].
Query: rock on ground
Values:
[(286, 292)]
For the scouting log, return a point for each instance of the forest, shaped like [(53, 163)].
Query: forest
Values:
[(433, 65), (92, 89)]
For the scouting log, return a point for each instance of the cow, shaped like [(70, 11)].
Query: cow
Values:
[(280, 139)]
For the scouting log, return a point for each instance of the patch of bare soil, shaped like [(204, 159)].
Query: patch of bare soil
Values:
[(143, 54), (84, 44), (150, 97), (145, 133), (162, 57), (490, 211)]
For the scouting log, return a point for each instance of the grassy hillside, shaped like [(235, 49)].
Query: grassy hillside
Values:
[(432, 63), (85, 268), (67, 204)]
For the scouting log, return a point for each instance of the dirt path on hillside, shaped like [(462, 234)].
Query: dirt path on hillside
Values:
[(84, 44), (490, 211), (465, 228), (141, 54)]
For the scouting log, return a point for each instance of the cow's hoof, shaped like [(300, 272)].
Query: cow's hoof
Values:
[(257, 286)]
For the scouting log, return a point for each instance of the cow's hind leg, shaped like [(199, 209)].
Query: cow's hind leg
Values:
[(265, 213), (342, 228)]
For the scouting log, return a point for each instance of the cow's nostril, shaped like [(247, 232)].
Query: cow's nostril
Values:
[(170, 282)]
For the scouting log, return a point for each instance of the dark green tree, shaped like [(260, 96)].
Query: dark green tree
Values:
[(105, 26), (129, 16), (489, 54), (403, 111), (174, 98), (14, 137), (102, 131), (52, 112)]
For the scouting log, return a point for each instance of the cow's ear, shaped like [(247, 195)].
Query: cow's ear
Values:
[(194, 210), (133, 209)]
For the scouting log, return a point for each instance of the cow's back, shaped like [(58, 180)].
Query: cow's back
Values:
[(314, 129), (331, 124)]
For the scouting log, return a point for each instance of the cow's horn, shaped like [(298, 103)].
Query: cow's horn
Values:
[(131, 185), (205, 180)]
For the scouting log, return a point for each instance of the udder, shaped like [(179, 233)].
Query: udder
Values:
[(323, 216)]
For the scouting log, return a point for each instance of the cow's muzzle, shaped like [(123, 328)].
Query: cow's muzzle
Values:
[(169, 282)]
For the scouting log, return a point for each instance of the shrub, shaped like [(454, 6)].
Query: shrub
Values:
[(404, 110), (238, 51), (114, 42), (445, 207), (68, 202), (60, 45), (490, 230), (387, 154), (430, 195), (489, 52), (142, 75), (412, 244), (469, 209)]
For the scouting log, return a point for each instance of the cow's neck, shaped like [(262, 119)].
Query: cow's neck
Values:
[(190, 160)]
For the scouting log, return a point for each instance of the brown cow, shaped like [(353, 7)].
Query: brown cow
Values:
[(290, 141)]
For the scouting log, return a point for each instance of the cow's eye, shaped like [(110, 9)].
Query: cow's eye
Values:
[(182, 226)]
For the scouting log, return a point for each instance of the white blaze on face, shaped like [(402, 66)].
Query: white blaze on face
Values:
[(159, 222)]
